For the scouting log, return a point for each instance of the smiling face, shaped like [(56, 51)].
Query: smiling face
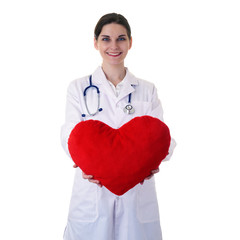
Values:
[(113, 44)]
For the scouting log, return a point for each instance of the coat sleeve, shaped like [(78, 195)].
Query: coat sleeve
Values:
[(72, 115), (157, 112)]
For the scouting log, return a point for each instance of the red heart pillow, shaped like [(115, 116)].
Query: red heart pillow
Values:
[(119, 158)]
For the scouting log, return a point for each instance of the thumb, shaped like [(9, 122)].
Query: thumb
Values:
[(75, 165)]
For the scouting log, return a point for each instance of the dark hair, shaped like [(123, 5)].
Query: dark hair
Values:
[(112, 18)]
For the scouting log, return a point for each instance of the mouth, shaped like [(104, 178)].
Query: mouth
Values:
[(114, 54)]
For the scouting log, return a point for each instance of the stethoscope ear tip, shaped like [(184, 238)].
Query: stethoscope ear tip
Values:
[(100, 109)]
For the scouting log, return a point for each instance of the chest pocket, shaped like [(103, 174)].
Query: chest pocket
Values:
[(141, 108)]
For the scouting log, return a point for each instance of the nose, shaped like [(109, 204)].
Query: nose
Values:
[(114, 45)]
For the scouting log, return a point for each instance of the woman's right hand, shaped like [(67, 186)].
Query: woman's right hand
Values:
[(89, 177)]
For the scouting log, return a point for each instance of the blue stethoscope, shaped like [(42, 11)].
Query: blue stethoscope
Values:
[(128, 109)]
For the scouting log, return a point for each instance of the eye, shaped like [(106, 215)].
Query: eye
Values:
[(121, 39), (105, 39)]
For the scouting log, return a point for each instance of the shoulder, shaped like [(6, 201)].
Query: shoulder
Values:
[(139, 81), (78, 83), (143, 85), (144, 89), (77, 86), (146, 84)]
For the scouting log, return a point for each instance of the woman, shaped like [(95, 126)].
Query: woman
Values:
[(96, 213)]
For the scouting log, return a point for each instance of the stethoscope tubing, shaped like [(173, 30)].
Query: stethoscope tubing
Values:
[(127, 109), (90, 85)]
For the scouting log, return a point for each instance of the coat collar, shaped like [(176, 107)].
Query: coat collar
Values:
[(99, 78)]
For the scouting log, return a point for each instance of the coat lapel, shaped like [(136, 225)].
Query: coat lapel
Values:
[(128, 87)]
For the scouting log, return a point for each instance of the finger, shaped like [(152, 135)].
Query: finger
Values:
[(149, 177), (85, 176), (155, 171), (94, 181)]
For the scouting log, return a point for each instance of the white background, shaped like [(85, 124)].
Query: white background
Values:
[(189, 49)]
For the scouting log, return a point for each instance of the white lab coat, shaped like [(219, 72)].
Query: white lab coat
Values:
[(95, 213)]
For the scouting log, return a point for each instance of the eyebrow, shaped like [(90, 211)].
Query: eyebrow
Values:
[(122, 35)]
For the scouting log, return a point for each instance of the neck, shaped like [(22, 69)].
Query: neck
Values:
[(114, 73)]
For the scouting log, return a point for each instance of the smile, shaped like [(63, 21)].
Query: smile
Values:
[(114, 54)]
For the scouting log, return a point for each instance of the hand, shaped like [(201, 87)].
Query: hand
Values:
[(151, 175), (89, 177)]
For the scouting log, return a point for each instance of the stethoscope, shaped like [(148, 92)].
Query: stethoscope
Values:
[(128, 109)]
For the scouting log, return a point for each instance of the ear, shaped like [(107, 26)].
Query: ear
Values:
[(95, 44), (130, 45)]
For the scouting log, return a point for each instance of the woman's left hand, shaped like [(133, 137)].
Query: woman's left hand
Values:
[(151, 175)]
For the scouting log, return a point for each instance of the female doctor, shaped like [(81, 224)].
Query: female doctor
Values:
[(95, 213)]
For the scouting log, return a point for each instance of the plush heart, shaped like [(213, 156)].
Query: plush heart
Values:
[(119, 158)]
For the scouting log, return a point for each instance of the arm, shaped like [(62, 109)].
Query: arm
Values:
[(73, 117), (157, 112)]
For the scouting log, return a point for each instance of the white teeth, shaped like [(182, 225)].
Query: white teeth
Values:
[(113, 54)]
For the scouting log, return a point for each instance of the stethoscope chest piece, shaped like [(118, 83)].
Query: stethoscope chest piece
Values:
[(129, 109)]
